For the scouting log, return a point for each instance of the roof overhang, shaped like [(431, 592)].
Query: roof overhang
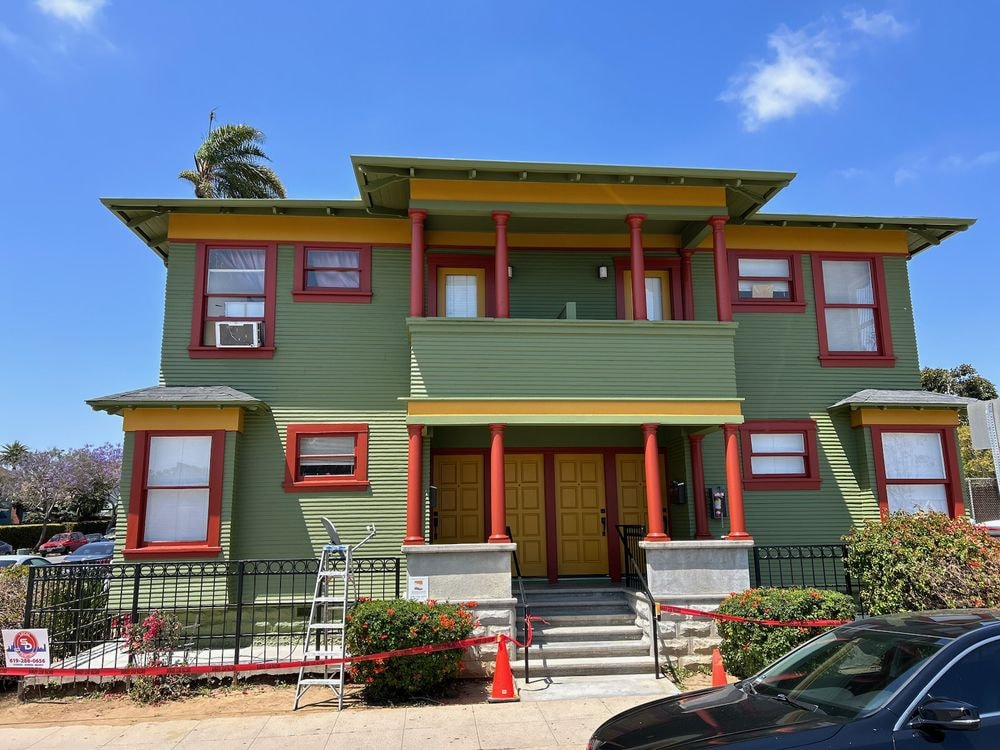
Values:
[(174, 397)]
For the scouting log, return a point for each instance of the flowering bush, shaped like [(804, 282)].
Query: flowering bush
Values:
[(747, 648), (377, 626), (914, 561), (151, 642)]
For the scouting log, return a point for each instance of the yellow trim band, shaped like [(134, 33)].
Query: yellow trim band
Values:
[(936, 417), (289, 228), (584, 411), (572, 193), (815, 239), (229, 418)]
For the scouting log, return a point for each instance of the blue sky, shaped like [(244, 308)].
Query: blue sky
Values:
[(885, 108)]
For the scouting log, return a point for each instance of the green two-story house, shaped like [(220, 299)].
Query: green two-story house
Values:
[(557, 349)]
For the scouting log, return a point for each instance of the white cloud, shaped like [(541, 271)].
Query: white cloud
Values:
[(904, 175), (957, 163), (799, 77), (74, 11), (882, 24)]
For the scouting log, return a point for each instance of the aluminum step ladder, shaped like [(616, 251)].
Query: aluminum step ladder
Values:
[(333, 597)]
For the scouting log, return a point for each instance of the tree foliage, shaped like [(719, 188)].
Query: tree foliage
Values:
[(11, 453), (229, 164), (963, 380), (976, 463), (65, 485)]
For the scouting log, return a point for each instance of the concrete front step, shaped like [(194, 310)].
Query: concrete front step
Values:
[(585, 619), (552, 634), (542, 666), (596, 649)]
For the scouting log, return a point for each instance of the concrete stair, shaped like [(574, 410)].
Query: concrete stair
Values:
[(589, 630)]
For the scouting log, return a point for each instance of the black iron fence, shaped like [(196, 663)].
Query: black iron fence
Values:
[(818, 566), (229, 612), (635, 556)]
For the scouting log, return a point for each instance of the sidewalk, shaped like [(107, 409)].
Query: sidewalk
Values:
[(543, 724)]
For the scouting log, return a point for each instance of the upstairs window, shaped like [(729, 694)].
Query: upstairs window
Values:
[(326, 457), (332, 273), (663, 289), (234, 301), (851, 312), (780, 455), (460, 286), (766, 282)]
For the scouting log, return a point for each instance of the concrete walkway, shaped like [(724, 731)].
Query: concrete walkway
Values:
[(542, 724)]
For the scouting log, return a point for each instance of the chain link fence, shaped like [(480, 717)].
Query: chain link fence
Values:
[(984, 499)]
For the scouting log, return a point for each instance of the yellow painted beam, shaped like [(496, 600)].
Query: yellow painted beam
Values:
[(570, 192), (582, 407), (815, 239), (229, 418), (445, 238), (935, 417), (288, 228)]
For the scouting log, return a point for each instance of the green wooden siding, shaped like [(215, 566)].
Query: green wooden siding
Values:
[(545, 281)]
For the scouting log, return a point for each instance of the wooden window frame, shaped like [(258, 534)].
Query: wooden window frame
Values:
[(673, 267), (356, 481), (437, 262), (810, 480), (197, 350), (301, 292), (949, 446), (135, 545), (794, 304), (884, 356)]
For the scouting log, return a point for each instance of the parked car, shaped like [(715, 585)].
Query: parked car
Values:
[(7, 561), (912, 680), (95, 552), (93, 537), (109, 535), (63, 543), (6, 549)]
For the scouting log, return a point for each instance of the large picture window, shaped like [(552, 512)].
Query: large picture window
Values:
[(235, 284), (916, 469), (326, 457), (851, 312), (780, 455), (175, 503), (333, 273), (766, 282)]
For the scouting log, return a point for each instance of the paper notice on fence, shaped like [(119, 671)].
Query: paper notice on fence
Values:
[(26, 649), (416, 588)]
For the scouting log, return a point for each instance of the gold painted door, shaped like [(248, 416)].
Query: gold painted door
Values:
[(458, 517), (524, 476), (632, 507), (581, 520)]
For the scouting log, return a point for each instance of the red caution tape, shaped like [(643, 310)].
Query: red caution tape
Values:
[(530, 633), (251, 667), (737, 618)]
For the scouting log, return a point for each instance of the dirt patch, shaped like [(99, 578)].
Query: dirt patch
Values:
[(62, 707)]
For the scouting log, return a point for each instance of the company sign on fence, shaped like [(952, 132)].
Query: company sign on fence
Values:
[(26, 648)]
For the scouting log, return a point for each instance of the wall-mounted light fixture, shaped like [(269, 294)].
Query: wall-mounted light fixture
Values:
[(510, 272), (602, 272)]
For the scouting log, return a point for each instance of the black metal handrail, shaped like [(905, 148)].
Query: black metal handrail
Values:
[(631, 535), (524, 603), (626, 535)]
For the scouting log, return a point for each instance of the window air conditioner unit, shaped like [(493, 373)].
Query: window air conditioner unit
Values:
[(239, 334)]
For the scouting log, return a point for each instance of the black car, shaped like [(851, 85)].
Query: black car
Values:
[(914, 680), (6, 549)]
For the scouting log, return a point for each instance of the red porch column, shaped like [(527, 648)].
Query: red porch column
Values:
[(654, 497), (687, 284), (698, 488), (415, 486), (500, 274), (498, 487), (723, 305), (734, 485), (417, 216), (638, 266)]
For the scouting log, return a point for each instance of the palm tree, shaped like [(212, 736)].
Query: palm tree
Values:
[(12, 453), (228, 165)]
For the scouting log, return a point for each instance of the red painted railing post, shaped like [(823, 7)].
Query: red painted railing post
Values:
[(734, 485), (417, 216), (500, 272), (638, 263), (654, 496), (723, 304), (498, 487), (415, 485)]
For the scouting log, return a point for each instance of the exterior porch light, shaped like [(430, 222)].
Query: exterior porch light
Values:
[(602, 272)]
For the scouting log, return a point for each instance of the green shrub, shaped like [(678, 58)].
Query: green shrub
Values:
[(26, 535), (915, 561), (376, 626), (13, 592), (747, 648)]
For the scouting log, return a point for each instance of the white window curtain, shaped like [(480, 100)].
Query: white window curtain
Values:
[(326, 455), (763, 443), (914, 455), (766, 267), (848, 282), (654, 298), (333, 269), (461, 296), (235, 271), (177, 497), (851, 329)]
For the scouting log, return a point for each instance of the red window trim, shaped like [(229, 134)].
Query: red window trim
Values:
[(795, 304), (884, 357), (809, 481), (303, 293), (436, 261), (294, 483), (952, 483), (211, 546), (196, 350), (624, 263)]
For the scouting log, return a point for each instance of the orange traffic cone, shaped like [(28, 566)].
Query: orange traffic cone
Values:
[(503, 678), (718, 671)]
